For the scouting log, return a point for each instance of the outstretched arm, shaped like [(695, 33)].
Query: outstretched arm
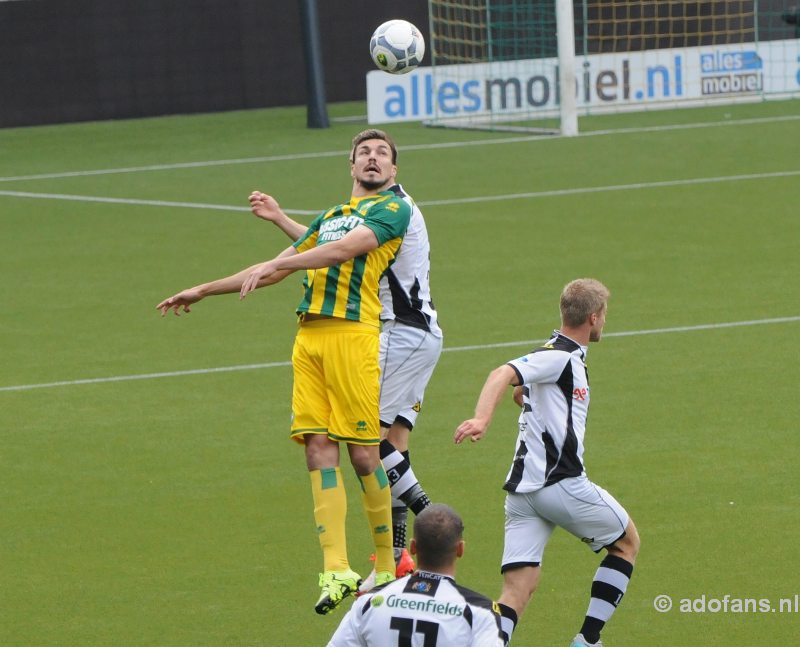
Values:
[(357, 242), (492, 392), (226, 285), (266, 207)]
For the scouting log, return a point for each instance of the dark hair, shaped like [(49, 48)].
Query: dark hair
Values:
[(373, 133), (437, 531)]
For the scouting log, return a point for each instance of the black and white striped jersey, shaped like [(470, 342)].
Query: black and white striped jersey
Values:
[(420, 610), (405, 289), (553, 419)]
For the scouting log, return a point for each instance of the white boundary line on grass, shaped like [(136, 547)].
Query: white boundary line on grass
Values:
[(424, 203), (136, 201), (455, 349), (413, 147)]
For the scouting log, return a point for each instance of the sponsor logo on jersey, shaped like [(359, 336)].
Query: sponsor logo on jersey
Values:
[(587, 540), (361, 425), (376, 601), (429, 606), (417, 406), (338, 227), (580, 394)]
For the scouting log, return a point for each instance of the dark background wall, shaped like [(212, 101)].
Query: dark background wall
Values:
[(78, 60)]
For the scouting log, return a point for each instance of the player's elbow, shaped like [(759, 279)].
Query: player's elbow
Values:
[(342, 253), (344, 249)]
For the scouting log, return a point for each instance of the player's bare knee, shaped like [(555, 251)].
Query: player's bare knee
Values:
[(364, 458), (320, 452), (628, 547)]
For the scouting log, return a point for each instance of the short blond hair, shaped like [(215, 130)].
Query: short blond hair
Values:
[(580, 299)]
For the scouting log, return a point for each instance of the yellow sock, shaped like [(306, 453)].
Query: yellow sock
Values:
[(377, 499), (330, 512)]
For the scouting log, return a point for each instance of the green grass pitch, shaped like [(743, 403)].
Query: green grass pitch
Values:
[(146, 509)]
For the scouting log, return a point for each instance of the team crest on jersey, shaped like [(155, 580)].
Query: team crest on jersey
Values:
[(421, 586)]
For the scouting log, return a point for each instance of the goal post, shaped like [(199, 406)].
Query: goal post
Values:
[(565, 35), (538, 65), (501, 58)]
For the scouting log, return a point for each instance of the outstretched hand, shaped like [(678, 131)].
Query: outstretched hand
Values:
[(181, 300), (473, 429)]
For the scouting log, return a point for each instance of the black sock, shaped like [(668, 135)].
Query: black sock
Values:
[(402, 479), (508, 621), (609, 585)]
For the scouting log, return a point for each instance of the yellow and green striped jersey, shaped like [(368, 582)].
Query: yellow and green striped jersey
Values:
[(350, 290)]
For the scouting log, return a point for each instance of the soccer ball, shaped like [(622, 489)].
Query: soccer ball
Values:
[(397, 47)]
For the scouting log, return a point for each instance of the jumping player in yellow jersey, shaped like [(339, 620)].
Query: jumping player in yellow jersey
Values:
[(335, 358)]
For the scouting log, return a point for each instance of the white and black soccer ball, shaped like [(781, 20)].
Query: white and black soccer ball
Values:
[(397, 47)]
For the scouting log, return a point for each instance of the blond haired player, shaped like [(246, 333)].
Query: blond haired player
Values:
[(547, 484)]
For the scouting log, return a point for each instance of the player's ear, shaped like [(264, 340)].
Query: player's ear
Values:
[(412, 547), (460, 548)]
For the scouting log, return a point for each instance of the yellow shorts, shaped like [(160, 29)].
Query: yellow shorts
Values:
[(336, 381)]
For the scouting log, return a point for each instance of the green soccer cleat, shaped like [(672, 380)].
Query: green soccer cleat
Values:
[(336, 586), (384, 577)]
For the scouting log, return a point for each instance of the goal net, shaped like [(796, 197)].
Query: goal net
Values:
[(537, 64)]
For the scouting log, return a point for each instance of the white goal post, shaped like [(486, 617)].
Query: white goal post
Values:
[(565, 35)]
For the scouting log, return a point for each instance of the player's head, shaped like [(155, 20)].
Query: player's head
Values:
[(373, 133), (373, 159), (584, 302), (438, 537)]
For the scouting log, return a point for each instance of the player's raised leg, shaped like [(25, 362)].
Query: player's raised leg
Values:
[(608, 587)]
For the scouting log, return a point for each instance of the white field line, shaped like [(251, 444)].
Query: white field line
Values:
[(136, 201), (611, 187), (413, 147), (425, 203), (453, 349)]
